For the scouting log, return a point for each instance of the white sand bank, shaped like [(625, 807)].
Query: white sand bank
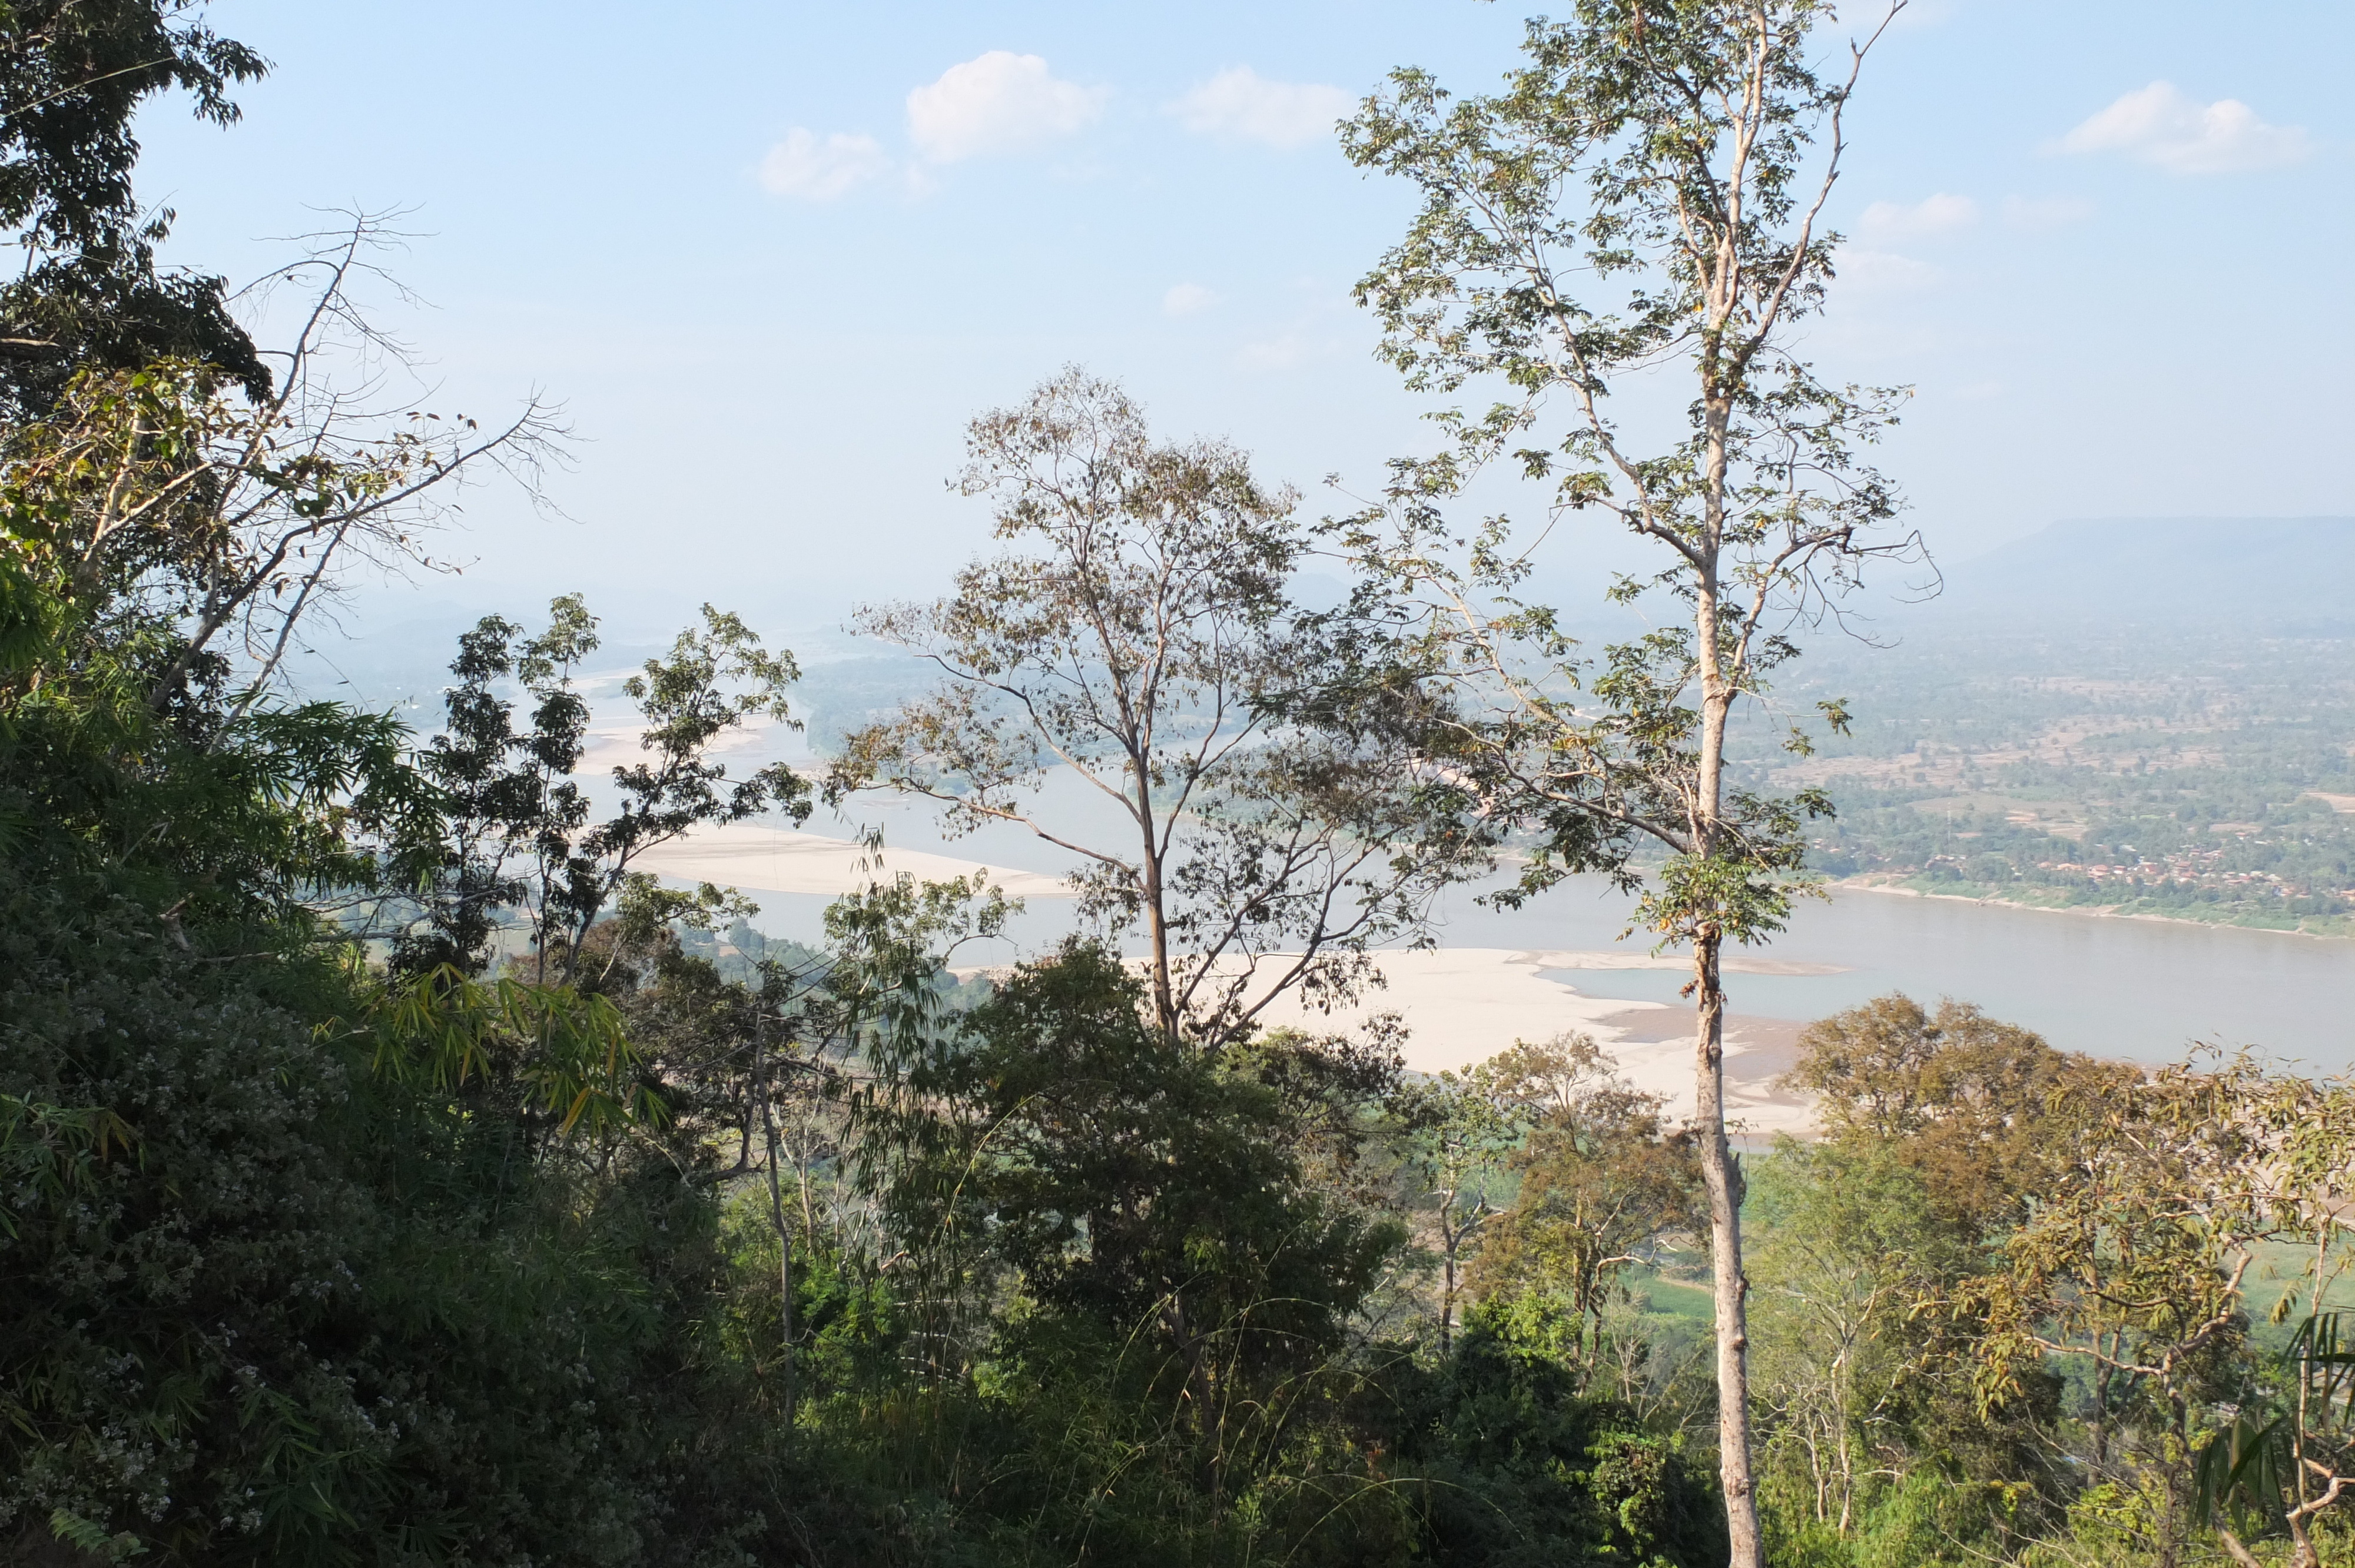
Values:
[(1463, 1005), (1460, 1005), (760, 859)]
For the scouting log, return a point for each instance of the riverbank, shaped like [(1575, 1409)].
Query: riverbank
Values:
[(2322, 928), (1464, 1005), (2131, 985)]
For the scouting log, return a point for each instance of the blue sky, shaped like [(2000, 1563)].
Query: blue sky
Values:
[(771, 256)]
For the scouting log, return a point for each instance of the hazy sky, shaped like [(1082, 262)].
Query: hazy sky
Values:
[(770, 256)]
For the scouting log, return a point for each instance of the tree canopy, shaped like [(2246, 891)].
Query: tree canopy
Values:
[(73, 75), (394, 1171)]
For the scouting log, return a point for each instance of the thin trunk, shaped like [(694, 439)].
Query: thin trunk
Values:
[(1157, 927), (2179, 1513), (777, 1218), (1201, 1391), (285, 634), (2101, 1406), (809, 1208), (1448, 1298), (1848, 1483), (1722, 1177), (1165, 1001), (2303, 1553), (1720, 1173), (2232, 1547)]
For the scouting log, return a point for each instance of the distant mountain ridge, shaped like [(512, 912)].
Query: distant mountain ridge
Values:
[(2285, 574)]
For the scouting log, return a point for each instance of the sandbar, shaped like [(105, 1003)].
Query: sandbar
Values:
[(1463, 1005), (758, 859)]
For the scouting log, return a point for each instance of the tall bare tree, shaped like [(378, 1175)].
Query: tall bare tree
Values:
[(1140, 638), (1642, 199), (168, 504)]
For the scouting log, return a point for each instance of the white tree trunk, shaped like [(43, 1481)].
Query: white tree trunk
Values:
[(1721, 1176)]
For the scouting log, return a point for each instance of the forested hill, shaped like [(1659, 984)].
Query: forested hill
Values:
[(2283, 574)]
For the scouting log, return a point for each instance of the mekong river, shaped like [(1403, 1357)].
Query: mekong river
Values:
[(2148, 989)]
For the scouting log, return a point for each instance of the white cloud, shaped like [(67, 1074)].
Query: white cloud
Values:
[(1885, 271), (821, 168), (997, 103), (1184, 299), (2158, 125), (1940, 214), (1240, 105), (1283, 352), (2041, 213)]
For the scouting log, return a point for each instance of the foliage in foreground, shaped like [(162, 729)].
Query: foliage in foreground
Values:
[(391, 1174), (324, 1248)]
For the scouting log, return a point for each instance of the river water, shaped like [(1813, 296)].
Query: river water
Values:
[(2144, 989), (2148, 989)]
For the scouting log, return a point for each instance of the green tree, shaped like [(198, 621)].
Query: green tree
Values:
[(2308, 1130), (1943, 1132), (1849, 1243), (2283, 1461), (1147, 1187), (1140, 645), (298, 1267), (1519, 1469), (2132, 1264), (501, 791), (1603, 1180), (521, 841), (1459, 1135), (74, 77), (1644, 193), (1977, 1108)]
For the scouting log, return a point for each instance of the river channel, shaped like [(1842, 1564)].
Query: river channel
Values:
[(2144, 989), (2147, 990)]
